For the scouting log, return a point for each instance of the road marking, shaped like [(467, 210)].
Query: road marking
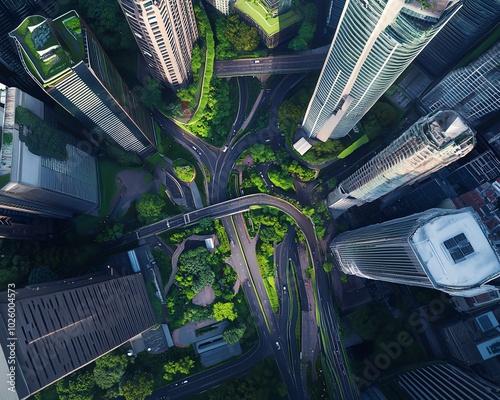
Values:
[(250, 275), (187, 220)]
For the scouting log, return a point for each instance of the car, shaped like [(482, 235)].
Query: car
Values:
[(224, 149), (278, 345), (194, 148), (185, 381), (255, 62)]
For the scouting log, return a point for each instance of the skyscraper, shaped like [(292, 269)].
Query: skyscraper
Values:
[(165, 31), (66, 185), (221, 5), (62, 326), (447, 250), (65, 59), (431, 143), (466, 29), (473, 91), (12, 72), (374, 43)]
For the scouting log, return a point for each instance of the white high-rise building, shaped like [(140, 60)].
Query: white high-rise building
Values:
[(447, 250), (221, 5), (165, 31), (431, 143), (373, 44)]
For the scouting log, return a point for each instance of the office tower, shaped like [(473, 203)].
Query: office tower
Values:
[(445, 381), (431, 143), (64, 58), (62, 326), (443, 249), (473, 91), (465, 30), (67, 185), (12, 72), (221, 5), (374, 42), (165, 31)]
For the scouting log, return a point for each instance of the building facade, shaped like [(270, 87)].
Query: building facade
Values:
[(473, 91), (37, 191), (433, 142), (442, 249), (465, 30), (62, 326), (446, 381), (374, 42), (64, 58), (221, 5), (165, 31)]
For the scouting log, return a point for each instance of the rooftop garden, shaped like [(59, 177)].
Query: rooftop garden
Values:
[(46, 57), (263, 16)]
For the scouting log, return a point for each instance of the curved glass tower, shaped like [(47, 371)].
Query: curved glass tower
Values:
[(374, 43), (447, 250), (473, 90), (433, 142), (474, 20)]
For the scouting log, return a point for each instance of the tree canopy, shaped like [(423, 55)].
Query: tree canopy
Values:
[(242, 36), (150, 208), (109, 370), (182, 366), (139, 386), (79, 387), (233, 333), (224, 311)]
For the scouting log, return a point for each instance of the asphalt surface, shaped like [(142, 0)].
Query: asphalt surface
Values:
[(289, 64), (277, 332)]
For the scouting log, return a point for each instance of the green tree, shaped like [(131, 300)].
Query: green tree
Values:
[(122, 157), (110, 233), (109, 370), (41, 274), (41, 139), (184, 170), (233, 333), (150, 208), (327, 266), (196, 59), (139, 386), (182, 366), (240, 35), (78, 386), (152, 93), (222, 311)]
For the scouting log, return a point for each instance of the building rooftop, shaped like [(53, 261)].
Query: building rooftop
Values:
[(455, 251), (445, 126), (50, 47)]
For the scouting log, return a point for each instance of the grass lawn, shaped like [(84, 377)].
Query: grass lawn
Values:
[(108, 185), (356, 145), (271, 293), (4, 179), (271, 25)]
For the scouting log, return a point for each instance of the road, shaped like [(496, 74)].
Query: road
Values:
[(274, 329), (288, 64)]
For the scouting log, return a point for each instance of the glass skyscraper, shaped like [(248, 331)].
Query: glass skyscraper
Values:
[(473, 91), (447, 250), (375, 41), (65, 59), (431, 143), (467, 27)]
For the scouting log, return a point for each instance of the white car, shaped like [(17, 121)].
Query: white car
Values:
[(278, 345), (224, 149)]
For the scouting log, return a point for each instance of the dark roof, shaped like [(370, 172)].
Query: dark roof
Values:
[(65, 325)]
